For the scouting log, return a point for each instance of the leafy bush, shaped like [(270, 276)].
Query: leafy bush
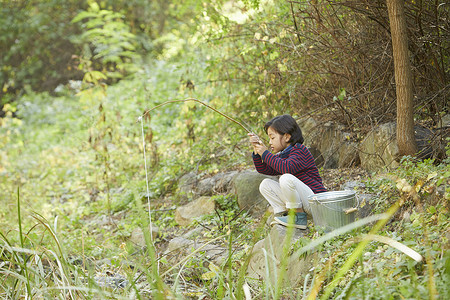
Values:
[(35, 44), (78, 160), (109, 47)]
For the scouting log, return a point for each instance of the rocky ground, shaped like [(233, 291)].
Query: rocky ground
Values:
[(334, 178), (175, 242)]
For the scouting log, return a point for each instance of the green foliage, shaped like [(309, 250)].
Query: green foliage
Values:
[(77, 154), (295, 57), (227, 218), (91, 175), (109, 47), (35, 44)]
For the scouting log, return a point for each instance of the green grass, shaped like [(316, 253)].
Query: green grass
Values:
[(72, 189)]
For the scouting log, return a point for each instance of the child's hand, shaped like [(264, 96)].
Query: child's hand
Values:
[(254, 139), (258, 146)]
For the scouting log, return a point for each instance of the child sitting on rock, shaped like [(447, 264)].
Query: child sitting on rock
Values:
[(292, 160)]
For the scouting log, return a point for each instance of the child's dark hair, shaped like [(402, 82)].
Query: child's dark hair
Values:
[(286, 124)]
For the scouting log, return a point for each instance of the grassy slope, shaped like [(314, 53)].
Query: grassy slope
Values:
[(77, 161)]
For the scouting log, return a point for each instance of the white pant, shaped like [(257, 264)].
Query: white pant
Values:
[(289, 192)]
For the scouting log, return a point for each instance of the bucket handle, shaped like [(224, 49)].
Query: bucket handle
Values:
[(345, 210), (350, 210)]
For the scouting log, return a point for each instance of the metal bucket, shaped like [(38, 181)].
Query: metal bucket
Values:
[(332, 210)]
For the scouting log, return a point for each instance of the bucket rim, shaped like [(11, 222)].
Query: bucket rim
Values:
[(330, 201), (332, 196)]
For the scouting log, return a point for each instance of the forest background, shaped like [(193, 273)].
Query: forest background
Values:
[(75, 77)]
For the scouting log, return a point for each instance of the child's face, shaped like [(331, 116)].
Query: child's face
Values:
[(278, 142)]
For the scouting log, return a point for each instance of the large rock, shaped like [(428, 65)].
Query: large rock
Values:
[(219, 183), (329, 143), (348, 152), (379, 148), (181, 246), (334, 145), (189, 186), (246, 187), (185, 215), (445, 121), (424, 138), (318, 157), (267, 257), (308, 126)]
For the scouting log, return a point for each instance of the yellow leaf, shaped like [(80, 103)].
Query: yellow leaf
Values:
[(431, 176), (208, 275), (282, 68), (6, 107), (362, 203), (213, 267), (403, 186), (419, 185)]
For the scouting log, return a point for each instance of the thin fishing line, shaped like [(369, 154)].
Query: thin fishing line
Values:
[(198, 101), (204, 104), (146, 180)]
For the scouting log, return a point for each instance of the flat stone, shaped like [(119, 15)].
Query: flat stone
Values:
[(183, 246), (352, 185), (186, 214), (137, 235)]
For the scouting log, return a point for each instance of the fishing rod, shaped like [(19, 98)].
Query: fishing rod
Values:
[(147, 112), (202, 103)]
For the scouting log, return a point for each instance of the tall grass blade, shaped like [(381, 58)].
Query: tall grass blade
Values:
[(397, 245), (244, 267), (61, 259), (191, 255), (359, 249), (305, 286), (284, 258), (247, 293), (339, 231), (269, 290), (22, 242)]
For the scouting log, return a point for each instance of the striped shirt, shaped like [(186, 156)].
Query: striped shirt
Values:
[(295, 160)]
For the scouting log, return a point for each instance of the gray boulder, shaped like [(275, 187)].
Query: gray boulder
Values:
[(379, 148), (267, 257), (334, 145), (352, 185), (445, 121), (219, 183), (187, 185), (190, 186), (182, 246), (246, 187)]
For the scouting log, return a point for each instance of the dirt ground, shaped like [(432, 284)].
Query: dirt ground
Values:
[(334, 178)]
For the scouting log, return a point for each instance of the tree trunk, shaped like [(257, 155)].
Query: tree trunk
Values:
[(403, 79)]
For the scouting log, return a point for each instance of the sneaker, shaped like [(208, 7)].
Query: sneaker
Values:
[(281, 214), (300, 221)]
